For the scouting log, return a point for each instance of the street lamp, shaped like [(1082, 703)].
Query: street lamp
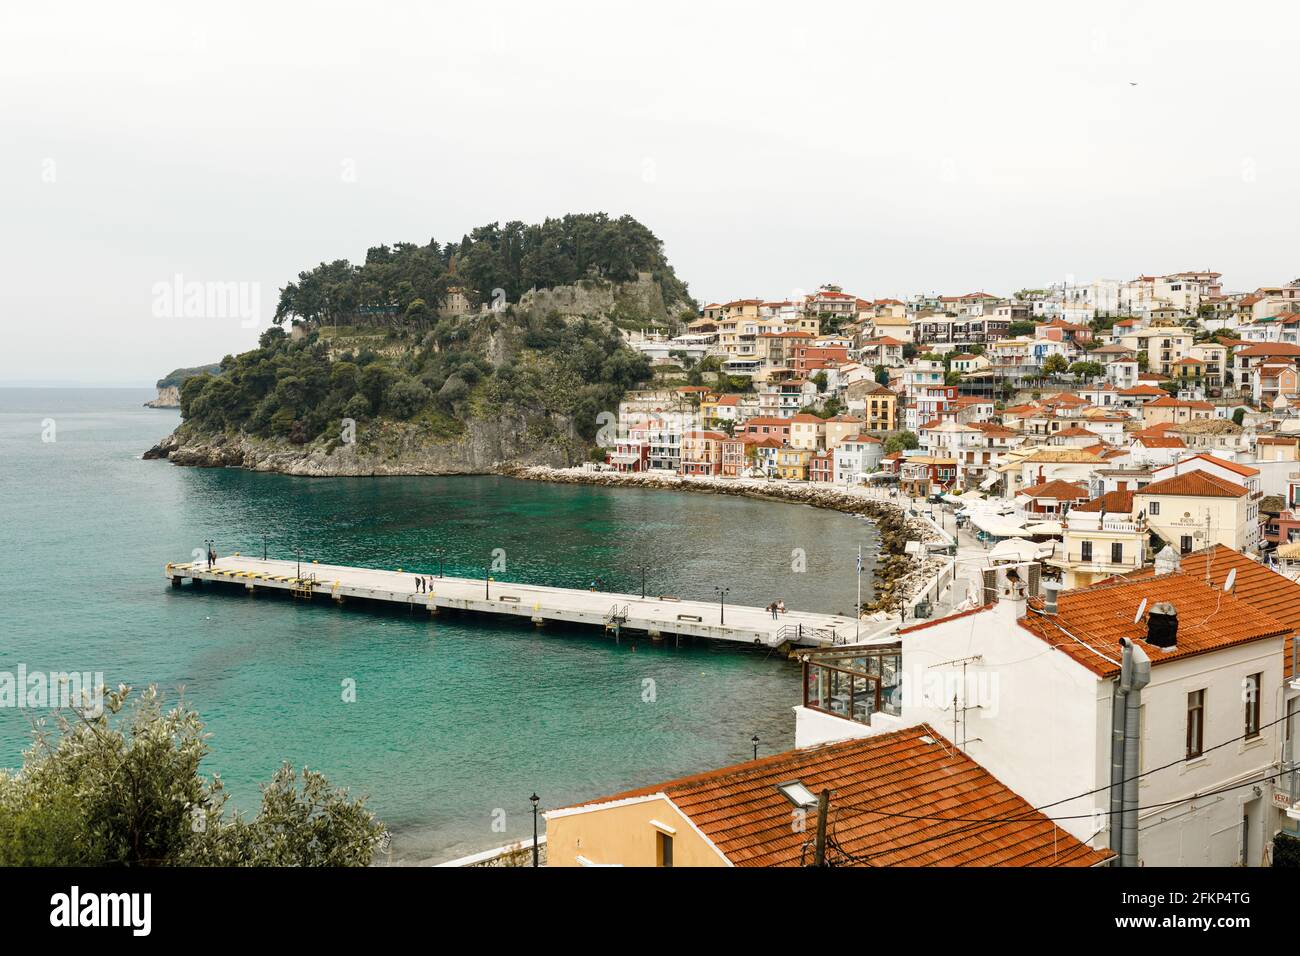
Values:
[(754, 740), (487, 581), (643, 570), (440, 552), (298, 552), (209, 544), (534, 799), (264, 537), (722, 603)]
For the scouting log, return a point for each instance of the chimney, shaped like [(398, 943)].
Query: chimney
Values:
[(1162, 626), (1050, 590), (1035, 580), (1167, 561)]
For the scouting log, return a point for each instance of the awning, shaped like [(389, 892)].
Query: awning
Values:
[(990, 481), (996, 526), (1045, 527), (1015, 549)]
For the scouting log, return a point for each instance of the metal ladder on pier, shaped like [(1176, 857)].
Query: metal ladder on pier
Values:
[(615, 619), (303, 587)]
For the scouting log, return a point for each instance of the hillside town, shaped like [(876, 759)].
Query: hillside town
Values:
[(1107, 661)]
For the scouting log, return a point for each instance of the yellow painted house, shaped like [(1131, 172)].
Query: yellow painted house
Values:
[(792, 463)]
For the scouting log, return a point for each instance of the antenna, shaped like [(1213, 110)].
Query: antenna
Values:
[(1232, 579), (1142, 608)]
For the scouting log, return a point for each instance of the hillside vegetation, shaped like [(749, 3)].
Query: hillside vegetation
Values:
[(384, 345)]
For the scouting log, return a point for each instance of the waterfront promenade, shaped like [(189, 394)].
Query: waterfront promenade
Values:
[(657, 616)]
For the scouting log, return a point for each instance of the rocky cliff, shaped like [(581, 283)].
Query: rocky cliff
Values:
[(493, 390)]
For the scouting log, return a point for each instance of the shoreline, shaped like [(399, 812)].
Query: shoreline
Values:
[(897, 576)]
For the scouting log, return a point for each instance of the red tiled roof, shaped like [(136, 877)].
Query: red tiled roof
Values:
[(1244, 470), (1264, 590), (1270, 348), (1112, 502), (1160, 441), (904, 798), (1090, 621), (1058, 490), (1199, 484)]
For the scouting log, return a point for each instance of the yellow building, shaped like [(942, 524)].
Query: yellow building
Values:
[(841, 427), (808, 431), (1195, 510), (792, 463)]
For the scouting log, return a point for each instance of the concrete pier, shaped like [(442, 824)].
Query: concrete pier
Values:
[(616, 613)]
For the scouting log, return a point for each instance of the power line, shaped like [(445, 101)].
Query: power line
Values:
[(972, 824)]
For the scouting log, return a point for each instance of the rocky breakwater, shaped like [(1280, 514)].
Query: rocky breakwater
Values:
[(899, 576), (384, 448)]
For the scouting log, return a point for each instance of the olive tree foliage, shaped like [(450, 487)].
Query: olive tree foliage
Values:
[(122, 787)]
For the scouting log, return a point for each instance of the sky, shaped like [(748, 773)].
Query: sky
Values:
[(889, 148)]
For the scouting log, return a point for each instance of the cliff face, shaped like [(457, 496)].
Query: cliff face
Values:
[(385, 448), (169, 396)]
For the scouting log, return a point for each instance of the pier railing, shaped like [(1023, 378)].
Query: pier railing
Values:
[(804, 634)]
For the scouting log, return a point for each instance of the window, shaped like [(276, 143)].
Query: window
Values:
[(663, 849), (1117, 553), (1195, 723), (1085, 551), (1185, 544), (1250, 687), (1155, 508)]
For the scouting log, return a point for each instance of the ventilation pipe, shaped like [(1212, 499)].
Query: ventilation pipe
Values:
[(1050, 590), (1135, 674)]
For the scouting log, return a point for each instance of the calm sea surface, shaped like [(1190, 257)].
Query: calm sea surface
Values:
[(457, 721)]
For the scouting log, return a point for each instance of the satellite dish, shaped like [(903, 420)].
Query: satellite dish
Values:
[(1232, 579), (1142, 608)]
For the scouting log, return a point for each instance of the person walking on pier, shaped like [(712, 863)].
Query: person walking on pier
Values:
[(418, 582), (772, 607)]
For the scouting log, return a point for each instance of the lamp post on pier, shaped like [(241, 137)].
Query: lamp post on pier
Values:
[(210, 545), (722, 603), (643, 570), (487, 581), (440, 552), (264, 539), (298, 552), (754, 740), (534, 800)]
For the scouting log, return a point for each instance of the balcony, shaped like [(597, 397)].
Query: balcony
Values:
[(854, 683)]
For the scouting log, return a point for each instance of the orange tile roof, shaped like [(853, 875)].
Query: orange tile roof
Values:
[(1263, 589), (1058, 490), (1161, 441), (1112, 502), (905, 798), (1090, 621), (1199, 484), (1244, 470)]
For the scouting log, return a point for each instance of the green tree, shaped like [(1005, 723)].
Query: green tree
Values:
[(1086, 370), (122, 787), (1055, 364), (901, 441)]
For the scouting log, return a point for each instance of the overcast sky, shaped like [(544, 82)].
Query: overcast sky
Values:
[(893, 148)]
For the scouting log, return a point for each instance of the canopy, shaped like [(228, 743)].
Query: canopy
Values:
[(1016, 549), (996, 526), (1045, 527)]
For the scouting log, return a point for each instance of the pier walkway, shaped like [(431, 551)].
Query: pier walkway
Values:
[(617, 613)]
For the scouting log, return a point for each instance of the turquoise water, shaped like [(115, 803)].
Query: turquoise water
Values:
[(456, 721)]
